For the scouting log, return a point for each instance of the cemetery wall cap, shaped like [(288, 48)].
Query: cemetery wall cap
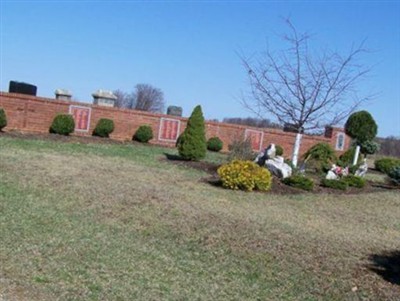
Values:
[(64, 92), (104, 94)]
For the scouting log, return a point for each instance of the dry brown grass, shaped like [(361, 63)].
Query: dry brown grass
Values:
[(104, 227)]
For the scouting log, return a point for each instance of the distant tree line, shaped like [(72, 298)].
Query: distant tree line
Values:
[(256, 122), (389, 146)]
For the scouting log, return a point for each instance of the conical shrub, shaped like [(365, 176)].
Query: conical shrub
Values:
[(192, 143)]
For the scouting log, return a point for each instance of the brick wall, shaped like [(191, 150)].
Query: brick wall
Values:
[(35, 114)]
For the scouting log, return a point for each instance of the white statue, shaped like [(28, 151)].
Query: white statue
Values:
[(362, 170), (331, 175), (271, 151), (275, 164)]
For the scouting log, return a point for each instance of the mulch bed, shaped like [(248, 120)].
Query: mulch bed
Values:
[(277, 186)]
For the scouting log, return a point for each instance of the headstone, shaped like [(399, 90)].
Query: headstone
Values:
[(174, 111), (22, 88), (63, 94), (104, 98)]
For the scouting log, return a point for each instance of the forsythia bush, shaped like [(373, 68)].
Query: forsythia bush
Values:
[(245, 175)]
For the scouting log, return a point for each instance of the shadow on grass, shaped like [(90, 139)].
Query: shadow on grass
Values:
[(173, 157), (387, 265)]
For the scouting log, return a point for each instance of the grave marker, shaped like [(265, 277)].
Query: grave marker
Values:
[(81, 117), (169, 129)]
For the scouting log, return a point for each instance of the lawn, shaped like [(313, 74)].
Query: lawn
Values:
[(119, 222)]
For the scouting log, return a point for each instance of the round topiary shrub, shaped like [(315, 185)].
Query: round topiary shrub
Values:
[(143, 134), (320, 156), (104, 128), (299, 181), (63, 124), (244, 175), (214, 144), (335, 184), (278, 150), (361, 126), (3, 119), (385, 165)]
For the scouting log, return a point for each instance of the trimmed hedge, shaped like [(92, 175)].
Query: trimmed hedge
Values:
[(143, 134), (361, 126), (63, 124), (214, 144), (244, 175), (385, 165), (335, 184), (354, 181), (299, 181), (3, 119), (104, 128)]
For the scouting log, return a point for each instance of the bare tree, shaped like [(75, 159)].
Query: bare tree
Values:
[(149, 98), (305, 90), (144, 98), (256, 122), (124, 100)]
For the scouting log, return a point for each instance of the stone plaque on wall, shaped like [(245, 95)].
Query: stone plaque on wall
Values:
[(169, 129), (256, 138), (81, 117)]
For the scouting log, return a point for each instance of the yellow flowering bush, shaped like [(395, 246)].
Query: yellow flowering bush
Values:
[(244, 175)]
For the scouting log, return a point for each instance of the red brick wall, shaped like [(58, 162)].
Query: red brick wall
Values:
[(35, 114)]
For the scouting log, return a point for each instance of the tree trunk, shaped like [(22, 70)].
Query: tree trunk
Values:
[(296, 149), (356, 154)]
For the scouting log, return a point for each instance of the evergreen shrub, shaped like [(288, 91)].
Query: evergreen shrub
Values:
[(299, 181), (3, 119), (63, 124), (394, 175), (320, 156), (385, 165), (143, 134), (354, 181), (214, 144), (278, 150), (104, 128), (335, 184), (192, 143)]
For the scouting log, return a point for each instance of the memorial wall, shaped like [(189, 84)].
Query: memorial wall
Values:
[(35, 114)]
